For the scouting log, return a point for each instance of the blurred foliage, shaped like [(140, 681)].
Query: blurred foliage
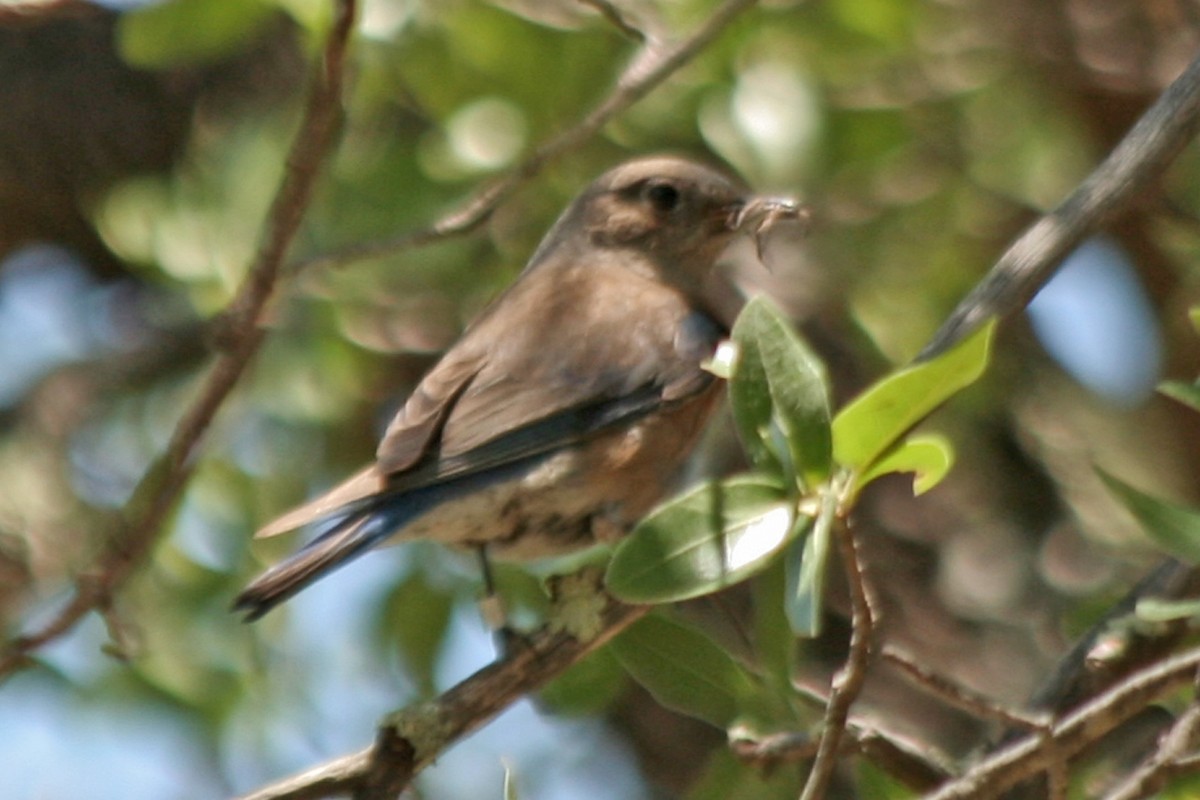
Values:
[(924, 133), (724, 532)]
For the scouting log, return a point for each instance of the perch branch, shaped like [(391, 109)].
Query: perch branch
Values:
[(410, 739)]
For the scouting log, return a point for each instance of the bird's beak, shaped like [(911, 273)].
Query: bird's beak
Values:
[(759, 215)]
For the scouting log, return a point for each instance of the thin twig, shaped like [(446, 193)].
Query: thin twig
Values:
[(1126, 646), (654, 62), (918, 767), (1139, 158), (140, 523), (960, 696), (848, 682), (411, 739), (617, 19), (1029, 755), (1176, 746)]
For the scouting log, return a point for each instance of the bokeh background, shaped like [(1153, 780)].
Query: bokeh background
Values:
[(139, 148)]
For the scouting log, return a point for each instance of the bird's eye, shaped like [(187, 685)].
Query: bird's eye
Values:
[(663, 196)]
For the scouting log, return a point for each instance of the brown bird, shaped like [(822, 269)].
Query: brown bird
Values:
[(563, 413)]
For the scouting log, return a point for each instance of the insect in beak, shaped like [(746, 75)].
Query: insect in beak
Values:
[(760, 215)]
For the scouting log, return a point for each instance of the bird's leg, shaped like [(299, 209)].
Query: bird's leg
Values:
[(491, 608)]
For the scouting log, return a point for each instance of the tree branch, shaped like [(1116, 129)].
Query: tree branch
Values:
[(409, 740), (960, 696), (1169, 760), (1138, 159), (917, 766), (136, 529), (1037, 752), (654, 62)]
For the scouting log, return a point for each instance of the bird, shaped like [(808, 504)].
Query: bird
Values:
[(564, 412)]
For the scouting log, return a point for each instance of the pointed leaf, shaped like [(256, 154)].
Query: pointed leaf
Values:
[(873, 422), (929, 457), (684, 670), (712, 537), (1174, 527), (779, 396)]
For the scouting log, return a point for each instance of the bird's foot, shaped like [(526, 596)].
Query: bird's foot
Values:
[(509, 641)]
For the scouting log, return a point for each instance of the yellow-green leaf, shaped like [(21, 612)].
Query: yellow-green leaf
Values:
[(929, 457), (876, 419)]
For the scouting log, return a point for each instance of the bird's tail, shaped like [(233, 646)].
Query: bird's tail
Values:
[(349, 538)]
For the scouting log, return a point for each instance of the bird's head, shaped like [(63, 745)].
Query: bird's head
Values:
[(678, 214)]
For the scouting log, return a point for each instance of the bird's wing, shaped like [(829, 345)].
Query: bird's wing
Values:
[(409, 436), (363, 484), (529, 381), (564, 360), (418, 424)]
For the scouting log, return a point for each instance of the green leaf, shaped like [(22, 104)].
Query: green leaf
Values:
[(1186, 393), (876, 419), (1194, 318), (163, 35), (1174, 527), (712, 537), (806, 565), (928, 456), (774, 644), (684, 670), (779, 396)]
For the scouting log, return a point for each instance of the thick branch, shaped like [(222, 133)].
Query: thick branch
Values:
[(1037, 752), (140, 522), (1139, 158), (411, 739), (1168, 761)]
